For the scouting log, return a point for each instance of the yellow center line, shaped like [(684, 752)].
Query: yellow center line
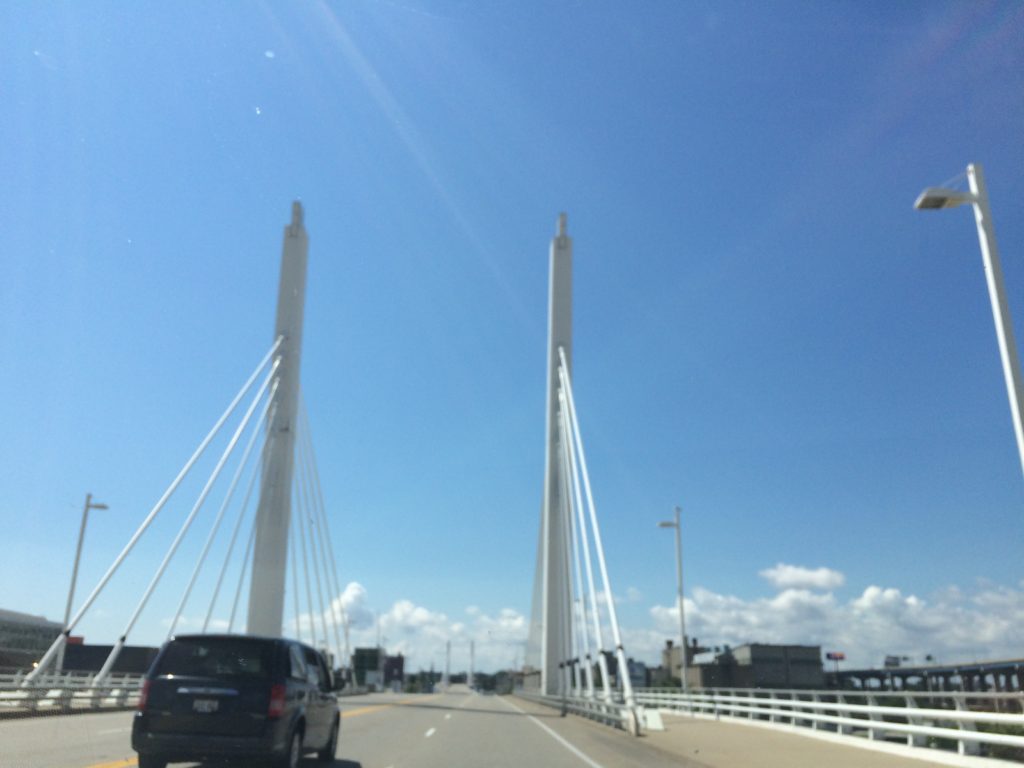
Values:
[(366, 710), (376, 708), (128, 763)]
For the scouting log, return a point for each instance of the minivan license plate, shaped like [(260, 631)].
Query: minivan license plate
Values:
[(205, 705)]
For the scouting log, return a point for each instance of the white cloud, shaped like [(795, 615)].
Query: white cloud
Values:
[(953, 624), (353, 603), (421, 633), (633, 595), (407, 617), (784, 576)]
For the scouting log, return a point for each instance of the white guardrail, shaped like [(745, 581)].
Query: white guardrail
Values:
[(74, 691), (66, 692), (615, 714), (924, 719)]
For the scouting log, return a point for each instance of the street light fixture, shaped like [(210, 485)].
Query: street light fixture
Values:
[(74, 576), (939, 197), (679, 596)]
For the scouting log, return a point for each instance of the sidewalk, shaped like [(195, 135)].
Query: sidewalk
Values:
[(724, 744)]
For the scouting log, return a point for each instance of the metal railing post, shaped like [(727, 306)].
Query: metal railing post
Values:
[(914, 739), (963, 746)]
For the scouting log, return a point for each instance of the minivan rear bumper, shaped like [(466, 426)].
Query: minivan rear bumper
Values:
[(181, 747)]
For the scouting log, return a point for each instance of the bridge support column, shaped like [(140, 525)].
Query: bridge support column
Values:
[(270, 556), (556, 611)]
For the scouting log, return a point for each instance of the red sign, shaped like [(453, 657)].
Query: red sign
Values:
[(75, 640)]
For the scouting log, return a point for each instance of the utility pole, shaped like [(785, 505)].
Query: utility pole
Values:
[(447, 664), (679, 595), (939, 197), (74, 577)]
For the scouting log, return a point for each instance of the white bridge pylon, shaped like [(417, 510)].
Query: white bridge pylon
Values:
[(567, 631), (285, 467), (273, 516)]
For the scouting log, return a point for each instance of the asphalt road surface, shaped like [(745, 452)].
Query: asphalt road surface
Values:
[(460, 728), (452, 729)]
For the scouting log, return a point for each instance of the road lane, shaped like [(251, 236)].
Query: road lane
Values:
[(468, 729), (447, 730), (461, 728), (66, 741)]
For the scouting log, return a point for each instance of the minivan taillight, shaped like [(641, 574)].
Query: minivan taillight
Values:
[(144, 695), (276, 706)]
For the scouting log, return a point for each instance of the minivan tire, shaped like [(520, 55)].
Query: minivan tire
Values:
[(151, 761), (326, 755), (293, 755)]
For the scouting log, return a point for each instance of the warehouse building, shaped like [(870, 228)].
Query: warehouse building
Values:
[(24, 638)]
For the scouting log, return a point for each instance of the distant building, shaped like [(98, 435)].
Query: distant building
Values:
[(638, 675), (394, 670), (758, 665), (611, 663), (368, 666), (672, 657), (132, 659), (24, 638)]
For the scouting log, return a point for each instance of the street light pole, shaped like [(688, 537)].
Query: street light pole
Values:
[(938, 197), (679, 594), (74, 575)]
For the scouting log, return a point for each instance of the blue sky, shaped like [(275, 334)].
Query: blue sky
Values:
[(766, 332)]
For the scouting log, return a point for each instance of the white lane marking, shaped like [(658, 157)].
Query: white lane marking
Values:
[(446, 717), (430, 733), (592, 763), (112, 730)]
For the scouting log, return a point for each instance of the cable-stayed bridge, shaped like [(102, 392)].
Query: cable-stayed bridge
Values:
[(271, 450), (567, 634), (272, 523)]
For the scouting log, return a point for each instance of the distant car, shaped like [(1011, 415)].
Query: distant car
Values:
[(214, 697)]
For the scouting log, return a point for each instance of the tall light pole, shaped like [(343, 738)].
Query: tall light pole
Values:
[(939, 197), (679, 595), (74, 575)]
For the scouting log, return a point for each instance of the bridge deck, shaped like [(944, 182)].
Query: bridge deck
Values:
[(463, 729)]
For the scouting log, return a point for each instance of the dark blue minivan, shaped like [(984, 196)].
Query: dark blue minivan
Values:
[(214, 697)]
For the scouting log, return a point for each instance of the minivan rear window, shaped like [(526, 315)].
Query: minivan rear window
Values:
[(216, 657)]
